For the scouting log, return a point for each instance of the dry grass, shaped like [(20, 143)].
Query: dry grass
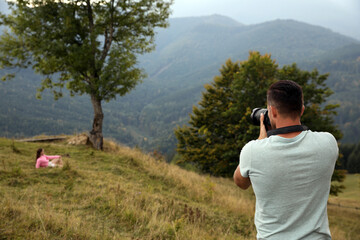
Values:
[(122, 193)]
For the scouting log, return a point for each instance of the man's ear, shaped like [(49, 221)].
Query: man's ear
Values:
[(302, 110), (273, 111)]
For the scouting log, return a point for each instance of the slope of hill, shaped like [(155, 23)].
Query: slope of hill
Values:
[(343, 64), (121, 193), (21, 114), (188, 55), (116, 194)]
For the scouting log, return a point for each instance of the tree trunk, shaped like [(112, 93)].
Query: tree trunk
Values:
[(96, 136)]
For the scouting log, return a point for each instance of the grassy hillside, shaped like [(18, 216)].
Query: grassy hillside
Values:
[(121, 193), (350, 198)]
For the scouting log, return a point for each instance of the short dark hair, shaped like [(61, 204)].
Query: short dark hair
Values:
[(287, 97)]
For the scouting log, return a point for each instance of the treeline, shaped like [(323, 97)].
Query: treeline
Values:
[(350, 158)]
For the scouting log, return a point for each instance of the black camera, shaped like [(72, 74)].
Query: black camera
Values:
[(255, 116)]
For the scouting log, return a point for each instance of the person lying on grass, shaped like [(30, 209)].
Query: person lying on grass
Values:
[(42, 160)]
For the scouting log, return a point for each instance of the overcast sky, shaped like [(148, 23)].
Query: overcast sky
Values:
[(342, 16)]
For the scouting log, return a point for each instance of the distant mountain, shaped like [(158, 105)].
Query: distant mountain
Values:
[(188, 54), (208, 39), (347, 53), (343, 65)]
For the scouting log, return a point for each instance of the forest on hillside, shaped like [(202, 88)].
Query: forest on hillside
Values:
[(343, 66), (188, 55)]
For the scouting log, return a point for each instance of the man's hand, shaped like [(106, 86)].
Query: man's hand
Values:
[(263, 133)]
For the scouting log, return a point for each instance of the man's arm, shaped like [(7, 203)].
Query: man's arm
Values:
[(242, 182), (263, 133)]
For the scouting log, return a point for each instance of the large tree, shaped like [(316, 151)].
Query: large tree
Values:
[(220, 126), (90, 47)]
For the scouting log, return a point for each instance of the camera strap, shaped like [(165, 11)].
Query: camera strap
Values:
[(289, 129)]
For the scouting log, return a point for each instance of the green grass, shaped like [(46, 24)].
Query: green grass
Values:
[(122, 193), (344, 209), (352, 187), (350, 196)]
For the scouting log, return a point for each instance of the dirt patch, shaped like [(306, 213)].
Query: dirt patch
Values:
[(82, 139)]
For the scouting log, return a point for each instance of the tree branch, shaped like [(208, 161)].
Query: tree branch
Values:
[(92, 38), (90, 16), (108, 35)]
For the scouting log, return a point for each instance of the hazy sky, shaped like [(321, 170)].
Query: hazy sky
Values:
[(341, 16)]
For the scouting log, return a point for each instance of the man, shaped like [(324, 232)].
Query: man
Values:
[(290, 172)]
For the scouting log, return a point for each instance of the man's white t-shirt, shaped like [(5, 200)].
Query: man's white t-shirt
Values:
[(291, 180)]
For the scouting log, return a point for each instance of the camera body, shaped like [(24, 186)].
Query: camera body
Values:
[(255, 117)]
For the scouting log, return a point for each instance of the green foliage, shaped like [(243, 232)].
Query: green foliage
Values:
[(345, 151), (90, 47), (337, 179), (220, 127), (203, 143), (353, 161)]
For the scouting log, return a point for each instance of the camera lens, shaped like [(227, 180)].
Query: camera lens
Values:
[(255, 116)]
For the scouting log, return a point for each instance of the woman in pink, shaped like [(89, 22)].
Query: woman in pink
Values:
[(42, 160)]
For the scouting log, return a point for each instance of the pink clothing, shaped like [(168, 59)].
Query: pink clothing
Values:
[(43, 161)]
